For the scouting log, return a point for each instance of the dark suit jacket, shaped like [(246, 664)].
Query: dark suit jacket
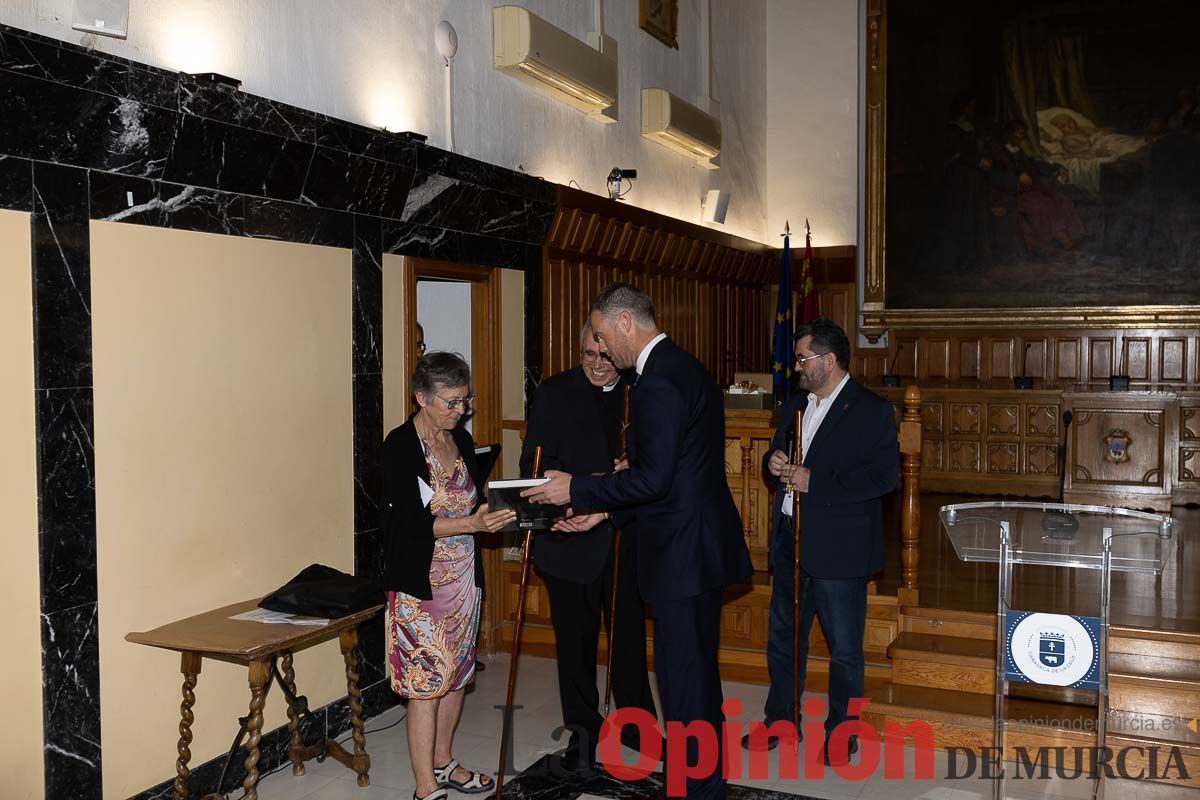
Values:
[(564, 419), (689, 533), (407, 522), (854, 461)]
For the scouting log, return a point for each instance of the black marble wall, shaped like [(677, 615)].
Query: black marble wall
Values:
[(87, 136)]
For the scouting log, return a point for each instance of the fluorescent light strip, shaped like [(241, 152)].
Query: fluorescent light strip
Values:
[(563, 85)]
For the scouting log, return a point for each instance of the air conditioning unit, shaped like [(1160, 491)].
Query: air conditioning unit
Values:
[(681, 126), (548, 58)]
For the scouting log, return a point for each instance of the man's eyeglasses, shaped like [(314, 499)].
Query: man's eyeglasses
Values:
[(802, 359), (457, 403), (592, 355)]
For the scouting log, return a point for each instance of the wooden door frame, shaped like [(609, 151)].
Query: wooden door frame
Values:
[(486, 372)]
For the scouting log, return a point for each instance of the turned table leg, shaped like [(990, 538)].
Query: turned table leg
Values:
[(362, 762), (294, 743), (260, 672), (190, 667)]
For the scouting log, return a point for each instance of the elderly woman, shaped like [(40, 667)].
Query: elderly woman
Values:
[(434, 571)]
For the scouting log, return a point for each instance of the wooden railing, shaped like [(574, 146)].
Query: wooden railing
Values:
[(910, 490)]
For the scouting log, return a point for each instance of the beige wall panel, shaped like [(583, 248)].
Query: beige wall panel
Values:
[(396, 370), (512, 328), (21, 668), (224, 464)]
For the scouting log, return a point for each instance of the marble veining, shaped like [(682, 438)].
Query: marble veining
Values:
[(367, 285), (71, 702), (545, 780), (368, 449), (62, 308), (16, 183)]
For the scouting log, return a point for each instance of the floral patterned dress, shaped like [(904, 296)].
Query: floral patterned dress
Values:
[(431, 643)]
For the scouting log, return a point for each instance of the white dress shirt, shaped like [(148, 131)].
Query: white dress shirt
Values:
[(645, 354), (814, 415)]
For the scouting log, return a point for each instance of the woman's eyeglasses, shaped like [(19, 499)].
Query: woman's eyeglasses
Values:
[(457, 403)]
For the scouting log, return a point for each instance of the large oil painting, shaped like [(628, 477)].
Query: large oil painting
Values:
[(1042, 154)]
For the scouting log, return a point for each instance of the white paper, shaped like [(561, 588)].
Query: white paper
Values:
[(426, 491), (788, 504), (519, 483), (276, 618)]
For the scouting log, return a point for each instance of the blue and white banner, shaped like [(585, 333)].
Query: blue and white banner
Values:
[(1052, 649)]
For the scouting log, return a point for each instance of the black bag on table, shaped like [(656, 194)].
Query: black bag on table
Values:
[(321, 591)]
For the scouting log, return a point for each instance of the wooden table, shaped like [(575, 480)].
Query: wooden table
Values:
[(256, 645)]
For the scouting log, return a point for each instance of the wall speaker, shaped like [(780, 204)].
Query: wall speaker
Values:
[(715, 206), (103, 17)]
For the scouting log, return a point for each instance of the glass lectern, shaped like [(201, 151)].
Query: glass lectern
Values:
[(1055, 649)]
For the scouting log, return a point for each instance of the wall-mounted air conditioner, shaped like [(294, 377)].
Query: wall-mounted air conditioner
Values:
[(532, 50), (681, 126)]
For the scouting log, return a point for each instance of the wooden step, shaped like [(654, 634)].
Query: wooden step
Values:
[(1136, 752), (1154, 685), (948, 622), (1149, 641), (946, 662)]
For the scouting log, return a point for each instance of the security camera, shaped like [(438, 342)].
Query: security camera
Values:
[(614, 181)]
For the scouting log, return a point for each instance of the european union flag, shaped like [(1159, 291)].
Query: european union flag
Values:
[(782, 357)]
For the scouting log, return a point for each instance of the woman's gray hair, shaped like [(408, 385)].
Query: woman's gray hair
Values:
[(447, 370)]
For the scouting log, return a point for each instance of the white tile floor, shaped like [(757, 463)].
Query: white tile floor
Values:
[(477, 745)]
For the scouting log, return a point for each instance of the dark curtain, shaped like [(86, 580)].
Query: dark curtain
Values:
[(1043, 66)]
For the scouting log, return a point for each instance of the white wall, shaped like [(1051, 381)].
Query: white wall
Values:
[(812, 119), (444, 311), (374, 62)]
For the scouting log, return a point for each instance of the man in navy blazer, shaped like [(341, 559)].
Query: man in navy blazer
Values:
[(850, 461), (690, 545)]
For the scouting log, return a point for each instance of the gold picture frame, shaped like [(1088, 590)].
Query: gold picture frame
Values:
[(660, 19), (877, 317)]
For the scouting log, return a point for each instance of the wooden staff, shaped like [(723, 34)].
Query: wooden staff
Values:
[(516, 642), (616, 571), (799, 456)]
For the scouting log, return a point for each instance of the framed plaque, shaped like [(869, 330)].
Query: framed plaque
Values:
[(660, 19)]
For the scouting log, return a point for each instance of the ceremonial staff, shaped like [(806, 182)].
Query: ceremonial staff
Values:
[(516, 642), (798, 455), (616, 559)]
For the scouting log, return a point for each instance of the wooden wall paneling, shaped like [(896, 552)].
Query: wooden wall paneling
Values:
[(1135, 358), (1173, 359), (1068, 360), (1001, 357), (969, 358), (1143, 477), (1187, 469), (1033, 357), (934, 354), (1101, 350)]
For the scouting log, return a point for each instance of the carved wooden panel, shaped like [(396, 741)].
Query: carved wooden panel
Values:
[(933, 457), (1003, 419), (1136, 359), (964, 418), (1041, 459), (1172, 359), (1003, 457), (1041, 420), (743, 471), (1189, 464), (1123, 448), (964, 457), (1034, 358), (932, 415)]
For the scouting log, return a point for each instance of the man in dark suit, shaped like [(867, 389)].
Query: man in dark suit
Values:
[(690, 544), (850, 461), (576, 419)]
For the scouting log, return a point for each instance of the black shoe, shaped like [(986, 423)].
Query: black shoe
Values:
[(837, 760), (771, 743), (631, 737)]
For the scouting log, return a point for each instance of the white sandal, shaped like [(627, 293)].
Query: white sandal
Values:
[(437, 794), (473, 785)]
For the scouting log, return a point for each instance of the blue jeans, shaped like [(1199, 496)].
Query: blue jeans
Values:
[(841, 605)]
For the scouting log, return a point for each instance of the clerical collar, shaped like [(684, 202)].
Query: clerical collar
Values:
[(612, 385)]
